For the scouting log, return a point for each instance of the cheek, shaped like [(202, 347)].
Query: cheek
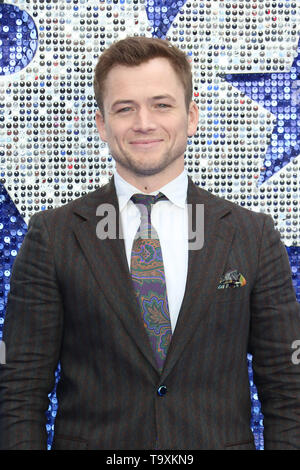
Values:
[(174, 127), (180, 131), (114, 133), (179, 124)]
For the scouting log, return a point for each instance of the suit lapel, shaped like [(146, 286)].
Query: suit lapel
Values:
[(107, 259), (205, 267)]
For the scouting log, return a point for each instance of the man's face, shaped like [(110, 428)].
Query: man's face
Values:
[(146, 123)]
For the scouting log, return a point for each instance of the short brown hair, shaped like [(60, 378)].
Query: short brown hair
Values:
[(135, 50)]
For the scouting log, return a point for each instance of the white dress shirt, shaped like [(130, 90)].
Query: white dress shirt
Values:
[(170, 219)]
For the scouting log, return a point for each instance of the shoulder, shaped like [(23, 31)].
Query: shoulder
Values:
[(250, 227), (64, 213), (237, 213)]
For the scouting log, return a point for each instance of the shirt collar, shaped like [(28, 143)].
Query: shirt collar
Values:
[(175, 190)]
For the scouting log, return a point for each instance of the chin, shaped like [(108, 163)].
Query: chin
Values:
[(139, 167), (146, 171)]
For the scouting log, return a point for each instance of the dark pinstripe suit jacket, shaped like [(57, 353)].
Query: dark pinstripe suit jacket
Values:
[(72, 300)]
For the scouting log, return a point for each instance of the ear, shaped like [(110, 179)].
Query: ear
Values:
[(101, 125), (193, 118)]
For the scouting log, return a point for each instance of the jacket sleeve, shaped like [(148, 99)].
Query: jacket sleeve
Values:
[(32, 336), (275, 325)]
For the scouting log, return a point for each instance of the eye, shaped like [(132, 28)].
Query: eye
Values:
[(163, 105), (124, 110)]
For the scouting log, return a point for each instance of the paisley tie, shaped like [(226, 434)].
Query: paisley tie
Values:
[(148, 276)]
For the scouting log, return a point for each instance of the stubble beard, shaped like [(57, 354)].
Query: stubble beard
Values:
[(137, 168)]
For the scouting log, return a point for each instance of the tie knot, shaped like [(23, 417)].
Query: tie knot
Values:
[(148, 199)]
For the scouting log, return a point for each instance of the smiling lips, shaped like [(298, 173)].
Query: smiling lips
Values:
[(145, 143)]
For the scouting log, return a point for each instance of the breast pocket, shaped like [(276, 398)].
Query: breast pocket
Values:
[(232, 294)]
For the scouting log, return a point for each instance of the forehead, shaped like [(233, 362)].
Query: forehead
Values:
[(157, 76)]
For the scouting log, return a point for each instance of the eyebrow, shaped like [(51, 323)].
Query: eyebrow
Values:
[(158, 97)]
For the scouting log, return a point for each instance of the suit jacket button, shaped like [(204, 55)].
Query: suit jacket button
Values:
[(162, 390)]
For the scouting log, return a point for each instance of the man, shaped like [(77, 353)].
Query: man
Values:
[(152, 332)]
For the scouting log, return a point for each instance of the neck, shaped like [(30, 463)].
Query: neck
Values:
[(149, 184)]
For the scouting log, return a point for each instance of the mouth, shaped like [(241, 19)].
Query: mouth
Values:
[(146, 143)]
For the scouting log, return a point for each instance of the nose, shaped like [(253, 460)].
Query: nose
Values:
[(144, 120)]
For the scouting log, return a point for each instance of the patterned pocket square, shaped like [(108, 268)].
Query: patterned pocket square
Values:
[(232, 279)]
